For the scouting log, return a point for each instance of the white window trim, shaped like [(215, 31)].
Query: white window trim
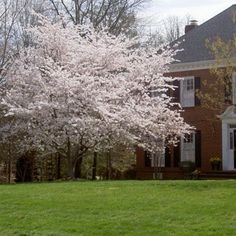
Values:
[(182, 101), (184, 144)]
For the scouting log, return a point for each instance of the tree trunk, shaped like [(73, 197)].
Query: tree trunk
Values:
[(69, 159), (77, 168), (9, 170), (108, 175), (94, 172), (70, 169), (58, 166)]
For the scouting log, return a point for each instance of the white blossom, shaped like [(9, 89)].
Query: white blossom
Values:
[(87, 86)]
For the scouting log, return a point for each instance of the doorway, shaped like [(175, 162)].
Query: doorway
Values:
[(231, 160)]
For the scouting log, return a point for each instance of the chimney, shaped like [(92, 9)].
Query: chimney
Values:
[(193, 24)]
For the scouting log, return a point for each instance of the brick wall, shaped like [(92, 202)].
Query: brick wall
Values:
[(203, 119)]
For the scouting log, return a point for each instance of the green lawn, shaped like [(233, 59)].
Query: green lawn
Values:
[(119, 208)]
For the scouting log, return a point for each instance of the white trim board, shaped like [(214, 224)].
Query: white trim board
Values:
[(198, 65)]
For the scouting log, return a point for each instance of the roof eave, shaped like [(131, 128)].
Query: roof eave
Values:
[(197, 65)]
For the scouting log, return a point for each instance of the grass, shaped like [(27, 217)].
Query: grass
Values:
[(119, 208)]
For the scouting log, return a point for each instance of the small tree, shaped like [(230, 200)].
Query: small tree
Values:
[(219, 91), (223, 68)]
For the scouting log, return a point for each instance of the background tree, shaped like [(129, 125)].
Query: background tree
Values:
[(118, 16), (166, 30), (216, 94), (220, 94), (117, 163), (15, 17), (174, 27)]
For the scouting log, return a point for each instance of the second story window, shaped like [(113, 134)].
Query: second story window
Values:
[(187, 93), (188, 84)]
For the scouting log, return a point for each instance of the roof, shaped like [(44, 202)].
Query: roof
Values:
[(193, 42)]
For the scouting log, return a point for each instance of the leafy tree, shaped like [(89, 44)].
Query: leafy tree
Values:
[(219, 91)]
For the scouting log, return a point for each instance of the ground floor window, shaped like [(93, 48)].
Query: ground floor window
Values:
[(191, 148), (154, 159), (188, 148)]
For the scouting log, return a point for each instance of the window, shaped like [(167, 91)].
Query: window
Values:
[(188, 148), (188, 138), (228, 90), (188, 84), (158, 159), (191, 148), (234, 87), (187, 93), (154, 159), (147, 159), (231, 141), (155, 92)]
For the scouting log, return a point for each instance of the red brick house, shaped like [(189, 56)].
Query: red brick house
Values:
[(213, 137)]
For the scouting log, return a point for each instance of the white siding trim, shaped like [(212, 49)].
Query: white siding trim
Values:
[(197, 65)]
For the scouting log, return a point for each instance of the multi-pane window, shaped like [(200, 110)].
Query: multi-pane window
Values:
[(188, 84), (191, 148), (147, 159), (188, 138), (154, 159), (228, 89), (188, 148), (231, 141), (154, 92), (187, 93)]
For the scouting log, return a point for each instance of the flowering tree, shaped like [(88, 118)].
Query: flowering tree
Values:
[(12, 131), (76, 87)]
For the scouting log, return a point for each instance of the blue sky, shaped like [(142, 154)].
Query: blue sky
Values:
[(200, 10)]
